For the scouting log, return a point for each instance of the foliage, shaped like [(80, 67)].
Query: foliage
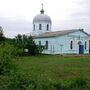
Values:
[(2, 38), (21, 82), (79, 84), (6, 64), (57, 72), (7, 47), (4, 82), (40, 73), (26, 42)]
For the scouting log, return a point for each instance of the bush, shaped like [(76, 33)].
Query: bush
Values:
[(44, 85), (6, 65), (79, 84), (4, 82), (21, 82)]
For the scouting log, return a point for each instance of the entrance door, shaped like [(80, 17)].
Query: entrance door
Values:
[(81, 49)]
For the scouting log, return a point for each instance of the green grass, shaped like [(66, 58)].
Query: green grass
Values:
[(54, 67)]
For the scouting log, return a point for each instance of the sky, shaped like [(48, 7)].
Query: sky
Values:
[(16, 16)]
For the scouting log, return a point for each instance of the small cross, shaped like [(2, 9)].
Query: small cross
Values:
[(42, 5)]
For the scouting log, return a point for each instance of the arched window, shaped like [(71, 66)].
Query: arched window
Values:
[(71, 45), (34, 27), (47, 27), (85, 45), (40, 26), (46, 44), (89, 46)]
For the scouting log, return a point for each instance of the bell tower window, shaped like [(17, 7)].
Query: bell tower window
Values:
[(47, 27), (40, 26)]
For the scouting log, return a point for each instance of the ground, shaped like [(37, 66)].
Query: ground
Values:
[(54, 67)]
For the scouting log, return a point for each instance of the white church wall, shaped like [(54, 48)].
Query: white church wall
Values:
[(55, 45), (51, 44), (76, 37), (61, 44)]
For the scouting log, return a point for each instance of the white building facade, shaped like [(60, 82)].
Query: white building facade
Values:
[(75, 41)]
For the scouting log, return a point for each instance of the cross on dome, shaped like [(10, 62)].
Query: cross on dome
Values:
[(42, 11), (42, 5)]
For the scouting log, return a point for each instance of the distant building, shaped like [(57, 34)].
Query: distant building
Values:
[(75, 41)]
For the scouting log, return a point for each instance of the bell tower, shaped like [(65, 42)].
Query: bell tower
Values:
[(41, 22)]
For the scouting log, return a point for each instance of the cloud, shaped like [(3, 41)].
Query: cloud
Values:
[(15, 26), (16, 15)]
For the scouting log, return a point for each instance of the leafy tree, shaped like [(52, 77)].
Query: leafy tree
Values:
[(1, 32), (18, 40), (31, 46), (27, 43), (2, 38)]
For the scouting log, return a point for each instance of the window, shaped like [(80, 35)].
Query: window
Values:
[(46, 44), (34, 27), (40, 26), (39, 43), (89, 46), (85, 45), (71, 45), (47, 27)]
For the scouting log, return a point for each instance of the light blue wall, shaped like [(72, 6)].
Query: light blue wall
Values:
[(61, 44), (44, 27)]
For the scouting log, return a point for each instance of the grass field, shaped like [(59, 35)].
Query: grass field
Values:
[(46, 72), (54, 67)]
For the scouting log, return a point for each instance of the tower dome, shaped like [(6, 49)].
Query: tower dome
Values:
[(42, 18), (42, 22)]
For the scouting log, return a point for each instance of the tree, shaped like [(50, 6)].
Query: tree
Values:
[(1, 32), (2, 38), (18, 40), (27, 43), (31, 46)]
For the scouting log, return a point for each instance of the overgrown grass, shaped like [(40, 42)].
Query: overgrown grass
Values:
[(54, 67), (58, 71), (48, 72)]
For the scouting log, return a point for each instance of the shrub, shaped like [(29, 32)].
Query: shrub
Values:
[(21, 82), (79, 84), (4, 82), (44, 85), (6, 63)]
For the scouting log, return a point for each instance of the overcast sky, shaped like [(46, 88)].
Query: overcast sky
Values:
[(16, 15)]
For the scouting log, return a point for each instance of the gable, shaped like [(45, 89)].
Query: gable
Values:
[(79, 33)]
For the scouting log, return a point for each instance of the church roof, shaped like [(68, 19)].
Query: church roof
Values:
[(58, 33), (42, 18)]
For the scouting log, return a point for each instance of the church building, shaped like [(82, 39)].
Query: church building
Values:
[(75, 41)]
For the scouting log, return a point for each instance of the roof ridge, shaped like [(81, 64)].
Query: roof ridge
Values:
[(59, 33)]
